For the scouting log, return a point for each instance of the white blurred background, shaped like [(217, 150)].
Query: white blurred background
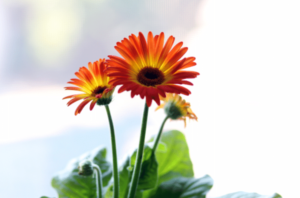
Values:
[(246, 98)]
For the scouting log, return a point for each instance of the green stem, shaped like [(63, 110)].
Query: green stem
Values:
[(159, 135), (139, 156), (99, 180), (114, 153)]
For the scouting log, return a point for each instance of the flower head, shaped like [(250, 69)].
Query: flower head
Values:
[(177, 108), (85, 168), (93, 82), (150, 68)]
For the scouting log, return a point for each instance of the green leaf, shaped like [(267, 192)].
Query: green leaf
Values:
[(162, 147), (146, 155), (249, 195), (148, 175), (175, 161), (182, 187), (125, 177), (68, 183)]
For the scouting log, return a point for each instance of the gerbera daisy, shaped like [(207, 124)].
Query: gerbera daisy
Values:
[(150, 68), (177, 108), (93, 82)]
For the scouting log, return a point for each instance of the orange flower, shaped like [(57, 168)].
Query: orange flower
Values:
[(93, 82), (177, 108), (150, 68)]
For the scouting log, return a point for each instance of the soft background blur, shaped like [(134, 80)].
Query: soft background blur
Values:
[(246, 98)]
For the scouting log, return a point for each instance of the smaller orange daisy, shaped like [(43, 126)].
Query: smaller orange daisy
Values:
[(93, 82), (177, 108)]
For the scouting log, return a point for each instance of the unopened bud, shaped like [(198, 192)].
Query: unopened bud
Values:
[(85, 168), (172, 110)]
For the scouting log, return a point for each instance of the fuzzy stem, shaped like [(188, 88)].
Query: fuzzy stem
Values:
[(159, 135), (99, 180), (139, 156), (114, 153)]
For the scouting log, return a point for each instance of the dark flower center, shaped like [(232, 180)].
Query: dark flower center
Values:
[(150, 76), (98, 90)]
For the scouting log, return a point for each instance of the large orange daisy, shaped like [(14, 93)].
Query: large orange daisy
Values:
[(93, 82), (150, 68)]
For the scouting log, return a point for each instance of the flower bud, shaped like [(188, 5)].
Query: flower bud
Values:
[(104, 101), (176, 108), (172, 110), (85, 168)]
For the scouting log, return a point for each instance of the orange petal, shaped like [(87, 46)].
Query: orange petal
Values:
[(168, 88), (186, 74), (174, 50), (93, 105), (154, 95), (176, 57), (133, 51), (136, 43), (165, 50), (70, 96), (131, 62), (161, 92), (119, 60), (148, 100), (73, 88), (73, 100), (181, 89), (151, 47), (80, 107), (159, 46), (144, 47)]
